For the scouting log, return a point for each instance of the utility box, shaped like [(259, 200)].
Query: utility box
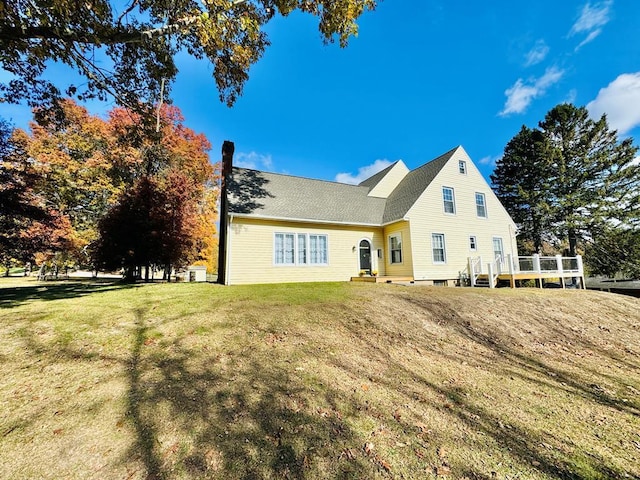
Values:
[(196, 273)]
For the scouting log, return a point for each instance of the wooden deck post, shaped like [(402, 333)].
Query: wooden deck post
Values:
[(490, 269), (536, 263), (580, 270), (472, 274), (536, 268), (559, 269), (512, 281)]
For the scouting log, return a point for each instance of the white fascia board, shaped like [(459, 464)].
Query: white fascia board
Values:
[(305, 220)]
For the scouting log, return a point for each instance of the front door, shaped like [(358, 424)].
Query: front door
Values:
[(365, 256)]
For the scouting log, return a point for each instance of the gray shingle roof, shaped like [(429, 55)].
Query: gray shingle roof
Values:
[(274, 195), (415, 182), (283, 196)]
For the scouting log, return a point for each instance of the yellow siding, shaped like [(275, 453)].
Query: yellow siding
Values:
[(427, 217), (406, 267), (390, 181), (251, 245)]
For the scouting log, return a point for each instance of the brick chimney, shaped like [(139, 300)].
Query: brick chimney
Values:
[(227, 165)]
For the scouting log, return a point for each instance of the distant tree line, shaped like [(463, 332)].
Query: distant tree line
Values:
[(123, 193), (572, 186)]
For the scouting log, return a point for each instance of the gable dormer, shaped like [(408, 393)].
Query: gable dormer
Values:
[(384, 182)]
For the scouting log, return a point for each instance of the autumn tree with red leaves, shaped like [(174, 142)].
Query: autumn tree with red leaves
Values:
[(86, 167)]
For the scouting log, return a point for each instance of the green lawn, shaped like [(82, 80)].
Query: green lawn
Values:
[(336, 380)]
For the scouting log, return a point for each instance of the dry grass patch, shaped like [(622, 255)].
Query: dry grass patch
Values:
[(317, 381)]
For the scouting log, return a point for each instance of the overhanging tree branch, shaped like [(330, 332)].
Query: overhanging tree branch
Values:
[(107, 36)]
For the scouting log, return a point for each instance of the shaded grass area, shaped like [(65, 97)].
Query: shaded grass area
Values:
[(318, 381)]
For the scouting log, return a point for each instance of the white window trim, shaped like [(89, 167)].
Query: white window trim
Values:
[(296, 250), (391, 262), (464, 163), (444, 249), (475, 242), (453, 199), (493, 248), (484, 197), (309, 263)]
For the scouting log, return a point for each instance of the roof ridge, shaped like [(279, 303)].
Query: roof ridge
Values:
[(298, 177), (381, 174)]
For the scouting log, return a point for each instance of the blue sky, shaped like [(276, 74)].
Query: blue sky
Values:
[(421, 78)]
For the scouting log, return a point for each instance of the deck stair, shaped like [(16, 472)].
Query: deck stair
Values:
[(483, 281)]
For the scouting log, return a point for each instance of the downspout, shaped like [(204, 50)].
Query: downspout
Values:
[(512, 235)]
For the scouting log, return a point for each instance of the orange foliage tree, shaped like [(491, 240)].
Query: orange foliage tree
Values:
[(85, 164)]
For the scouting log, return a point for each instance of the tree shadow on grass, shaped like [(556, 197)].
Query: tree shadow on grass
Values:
[(541, 452), (14, 296), (199, 414), (532, 368)]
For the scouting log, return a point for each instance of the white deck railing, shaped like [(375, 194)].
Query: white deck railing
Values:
[(534, 264)]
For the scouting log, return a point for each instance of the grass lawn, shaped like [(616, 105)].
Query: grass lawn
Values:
[(333, 380)]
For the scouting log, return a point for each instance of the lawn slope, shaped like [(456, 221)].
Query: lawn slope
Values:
[(317, 381)]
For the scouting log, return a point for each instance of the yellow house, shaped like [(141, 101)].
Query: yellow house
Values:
[(421, 225)]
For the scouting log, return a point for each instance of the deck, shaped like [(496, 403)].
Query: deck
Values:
[(557, 271)]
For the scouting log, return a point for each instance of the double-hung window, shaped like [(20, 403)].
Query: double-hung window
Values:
[(300, 249), (481, 205), (449, 200), (395, 248), (462, 167), (437, 245), (318, 249), (284, 249)]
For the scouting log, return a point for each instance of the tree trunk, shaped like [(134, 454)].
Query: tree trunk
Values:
[(573, 242)]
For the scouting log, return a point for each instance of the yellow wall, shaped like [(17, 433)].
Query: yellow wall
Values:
[(251, 249), (390, 181), (406, 267), (427, 217)]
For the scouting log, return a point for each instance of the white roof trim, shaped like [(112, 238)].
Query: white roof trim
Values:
[(304, 220)]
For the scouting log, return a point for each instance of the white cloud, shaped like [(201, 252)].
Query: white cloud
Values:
[(589, 38), (253, 160), (591, 20), (571, 96), (521, 94), (619, 100), (363, 172), (489, 160), (537, 54)]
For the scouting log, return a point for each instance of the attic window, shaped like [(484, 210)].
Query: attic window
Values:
[(462, 167)]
